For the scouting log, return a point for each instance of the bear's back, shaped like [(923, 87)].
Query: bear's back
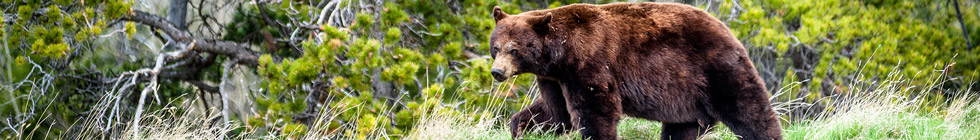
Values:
[(617, 15), (633, 26)]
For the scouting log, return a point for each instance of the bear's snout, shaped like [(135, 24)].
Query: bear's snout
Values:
[(498, 75), (503, 67)]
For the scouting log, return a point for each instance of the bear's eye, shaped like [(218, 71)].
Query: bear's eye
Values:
[(513, 51), (493, 51)]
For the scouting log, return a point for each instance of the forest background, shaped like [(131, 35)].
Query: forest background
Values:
[(419, 69)]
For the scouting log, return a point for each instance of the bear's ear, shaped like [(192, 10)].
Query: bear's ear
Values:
[(498, 14), (540, 23)]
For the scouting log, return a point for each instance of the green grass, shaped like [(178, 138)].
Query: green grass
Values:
[(884, 123), (885, 112), (870, 123)]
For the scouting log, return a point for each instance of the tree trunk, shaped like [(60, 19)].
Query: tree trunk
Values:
[(177, 14)]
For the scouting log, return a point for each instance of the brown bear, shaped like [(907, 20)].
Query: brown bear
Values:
[(671, 63)]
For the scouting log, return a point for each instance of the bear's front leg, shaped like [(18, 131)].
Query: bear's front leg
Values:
[(595, 109), (534, 118), (546, 113)]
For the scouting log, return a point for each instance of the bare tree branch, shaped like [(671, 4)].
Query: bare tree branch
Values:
[(225, 87), (203, 86), (235, 50), (269, 21)]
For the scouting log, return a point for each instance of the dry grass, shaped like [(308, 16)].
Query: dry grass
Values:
[(891, 110)]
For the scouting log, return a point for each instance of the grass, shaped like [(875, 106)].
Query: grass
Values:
[(889, 111), (892, 110)]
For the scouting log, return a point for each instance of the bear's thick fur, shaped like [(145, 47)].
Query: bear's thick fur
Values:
[(671, 63)]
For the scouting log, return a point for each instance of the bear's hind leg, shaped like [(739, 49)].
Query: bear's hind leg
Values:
[(738, 97), (753, 126), (684, 131), (744, 107)]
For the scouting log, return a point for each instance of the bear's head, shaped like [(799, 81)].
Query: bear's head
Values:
[(518, 45)]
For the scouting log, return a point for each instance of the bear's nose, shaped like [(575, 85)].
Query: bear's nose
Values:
[(498, 75)]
